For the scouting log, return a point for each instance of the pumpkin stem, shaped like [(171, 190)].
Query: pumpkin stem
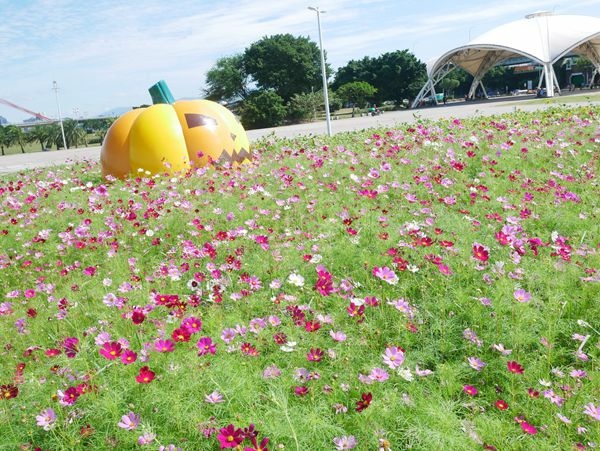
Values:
[(160, 93)]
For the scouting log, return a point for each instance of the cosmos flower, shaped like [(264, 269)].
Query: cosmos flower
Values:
[(129, 421)]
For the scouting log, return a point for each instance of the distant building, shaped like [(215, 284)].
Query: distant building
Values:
[(3, 121)]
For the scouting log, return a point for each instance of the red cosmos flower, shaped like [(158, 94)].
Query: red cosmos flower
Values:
[(280, 338), (248, 349), (355, 311), (364, 402), (146, 375), (480, 253), (258, 447), (315, 355), (501, 404), (312, 326), (138, 316), (514, 367), (533, 393), (19, 379), (70, 396), (181, 334), (111, 350), (424, 241), (230, 437), (8, 391), (324, 284)]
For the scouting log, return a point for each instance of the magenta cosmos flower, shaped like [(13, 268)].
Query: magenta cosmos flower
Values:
[(230, 437), (206, 346), (164, 346), (111, 350)]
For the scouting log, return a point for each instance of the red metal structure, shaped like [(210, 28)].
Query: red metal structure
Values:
[(38, 115)]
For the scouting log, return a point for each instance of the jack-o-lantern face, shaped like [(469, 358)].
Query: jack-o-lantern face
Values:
[(172, 138), (212, 133)]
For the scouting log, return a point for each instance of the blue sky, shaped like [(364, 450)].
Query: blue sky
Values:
[(106, 54)]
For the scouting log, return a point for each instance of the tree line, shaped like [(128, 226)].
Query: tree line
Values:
[(77, 133), (278, 80)]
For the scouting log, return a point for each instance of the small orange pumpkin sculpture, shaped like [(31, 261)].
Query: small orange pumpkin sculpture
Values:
[(169, 138)]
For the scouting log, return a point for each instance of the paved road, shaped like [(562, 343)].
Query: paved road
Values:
[(17, 162)]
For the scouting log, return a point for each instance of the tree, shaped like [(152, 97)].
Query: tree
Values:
[(263, 109), (14, 135), (396, 75), (227, 79), (38, 133), (3, 138), (400, 75), (74, 133), (285, 64), (356, 92), (448, 85), (305, 106)]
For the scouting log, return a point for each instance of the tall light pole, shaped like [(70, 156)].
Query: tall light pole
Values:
[(323, 70), (62, 129)]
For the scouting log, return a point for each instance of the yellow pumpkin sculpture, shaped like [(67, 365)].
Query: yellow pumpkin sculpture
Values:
[(169, 138)]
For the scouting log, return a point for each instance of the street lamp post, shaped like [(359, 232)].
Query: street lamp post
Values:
[(62, 129), (323, 70)]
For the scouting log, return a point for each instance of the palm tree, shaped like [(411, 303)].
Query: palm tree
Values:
[(39, 133), (14, 135)]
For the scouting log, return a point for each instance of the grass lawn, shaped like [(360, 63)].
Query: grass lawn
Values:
[(430, 286)]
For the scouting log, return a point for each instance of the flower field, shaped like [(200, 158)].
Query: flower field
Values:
[(431, 286)]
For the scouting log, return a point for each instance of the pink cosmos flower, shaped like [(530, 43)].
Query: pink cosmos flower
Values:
[(522, 295), (164, 346), (214, 398), (386, 274), (46, 419), (476, 363), (592, 411), (129, 421), (146, 438), (379, 375), (393, 357), (271, 372), (338, 336), (345, 442)]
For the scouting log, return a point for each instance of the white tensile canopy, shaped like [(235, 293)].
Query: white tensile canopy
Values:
[(542, 37)]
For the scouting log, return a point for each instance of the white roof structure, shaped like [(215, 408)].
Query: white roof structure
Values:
[(542, 37)]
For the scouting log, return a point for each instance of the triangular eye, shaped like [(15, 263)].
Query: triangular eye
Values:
[(233, 136), (199, 120)]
